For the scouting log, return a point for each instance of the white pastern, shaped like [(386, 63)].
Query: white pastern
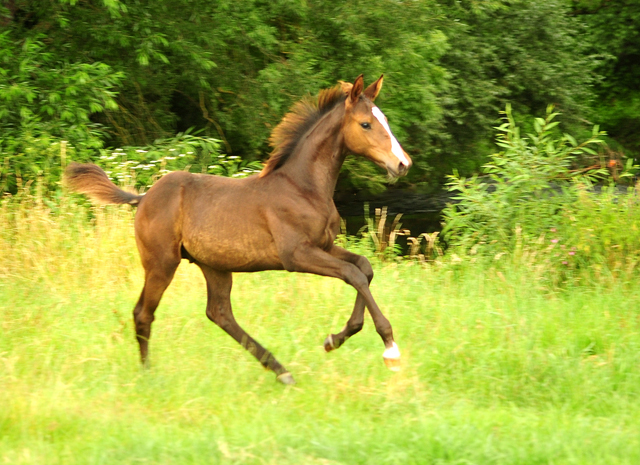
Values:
[(395, 145), (392, 353), (391, 358)]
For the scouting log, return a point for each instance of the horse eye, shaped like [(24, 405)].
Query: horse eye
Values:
[(365, 125)]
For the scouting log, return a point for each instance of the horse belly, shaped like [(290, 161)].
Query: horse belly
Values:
[(229, 250)]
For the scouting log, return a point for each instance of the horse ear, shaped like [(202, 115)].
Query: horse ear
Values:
[(356, 90), (373, 90)]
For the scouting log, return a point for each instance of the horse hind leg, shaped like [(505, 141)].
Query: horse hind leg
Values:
[(157, 279), (219, 311)]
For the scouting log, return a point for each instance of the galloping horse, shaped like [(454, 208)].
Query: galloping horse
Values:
[(283, 218)]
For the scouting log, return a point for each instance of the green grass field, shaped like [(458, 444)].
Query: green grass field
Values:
[(499, 367)]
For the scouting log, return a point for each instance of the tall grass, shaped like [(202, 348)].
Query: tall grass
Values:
[(500, 364)]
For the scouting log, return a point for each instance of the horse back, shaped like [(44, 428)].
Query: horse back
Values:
[(230, 224)]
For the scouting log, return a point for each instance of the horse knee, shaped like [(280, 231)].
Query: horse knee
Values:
[(365, 266), (357, 279)]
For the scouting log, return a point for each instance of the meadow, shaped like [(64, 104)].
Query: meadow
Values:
[(501, 364)]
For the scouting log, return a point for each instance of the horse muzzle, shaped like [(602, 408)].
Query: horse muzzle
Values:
[(399, 170)]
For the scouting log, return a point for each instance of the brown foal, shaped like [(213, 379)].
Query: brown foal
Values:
[(281, 219)]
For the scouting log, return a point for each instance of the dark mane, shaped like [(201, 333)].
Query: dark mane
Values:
[(295, 124)]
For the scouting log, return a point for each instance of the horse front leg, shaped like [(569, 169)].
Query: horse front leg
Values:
[(356, 320), (309, 259)]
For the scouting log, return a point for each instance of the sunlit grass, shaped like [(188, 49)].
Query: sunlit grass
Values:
[(499, 367)]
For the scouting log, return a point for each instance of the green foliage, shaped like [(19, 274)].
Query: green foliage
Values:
[(45, 103), (136, 167), (233, 68), (527, 188), (527, 53), (377, 239), (614, 38), (600, 229), (140, 167), (116, 74)]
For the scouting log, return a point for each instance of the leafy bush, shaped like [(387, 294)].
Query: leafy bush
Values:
[(44, 101), (140, 166), (532, 198), (136, 167), (46, 106), (234, 68), (599, 229)]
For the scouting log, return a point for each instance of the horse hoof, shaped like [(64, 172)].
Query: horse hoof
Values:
[(328, 343), (286, 378), (391, 358)]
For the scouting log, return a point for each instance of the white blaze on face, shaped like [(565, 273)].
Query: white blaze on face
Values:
[(395, 146)]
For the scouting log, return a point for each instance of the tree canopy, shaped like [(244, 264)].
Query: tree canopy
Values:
[(108, 74)]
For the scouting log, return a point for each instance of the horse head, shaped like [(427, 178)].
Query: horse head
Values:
[(366, 129)]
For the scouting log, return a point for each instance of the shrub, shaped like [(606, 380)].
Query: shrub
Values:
[(532, 198), (43, 102), (139, 167), (600, 229)]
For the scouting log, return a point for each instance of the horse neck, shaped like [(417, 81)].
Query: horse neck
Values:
[(316, 162)]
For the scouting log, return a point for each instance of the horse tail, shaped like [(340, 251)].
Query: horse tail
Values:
[(94, 182)]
